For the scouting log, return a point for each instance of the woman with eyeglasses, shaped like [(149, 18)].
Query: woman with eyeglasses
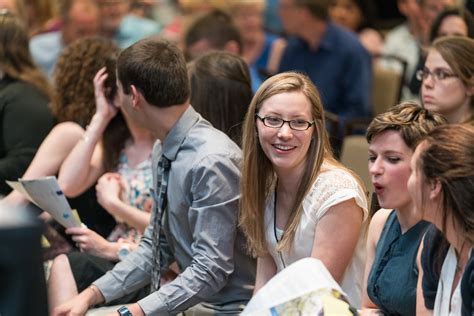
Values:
[(297, 200), (448, 79), (447, 88)]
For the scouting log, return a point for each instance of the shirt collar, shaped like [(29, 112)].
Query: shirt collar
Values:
[(178, 133)]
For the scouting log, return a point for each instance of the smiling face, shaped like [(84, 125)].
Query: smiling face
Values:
[(389, 168), (449, 96), (286, 148)]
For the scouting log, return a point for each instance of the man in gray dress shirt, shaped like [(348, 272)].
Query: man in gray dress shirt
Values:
[(199, 225)]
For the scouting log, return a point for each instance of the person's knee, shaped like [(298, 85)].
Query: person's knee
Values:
[(60, 263)]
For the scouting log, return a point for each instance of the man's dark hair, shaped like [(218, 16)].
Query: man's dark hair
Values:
[(318, 8), (157, 69), (217, 27)]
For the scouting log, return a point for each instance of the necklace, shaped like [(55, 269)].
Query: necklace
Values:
[(275, 229)]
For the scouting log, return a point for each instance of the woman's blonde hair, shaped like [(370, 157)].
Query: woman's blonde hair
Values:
[(258, 176)]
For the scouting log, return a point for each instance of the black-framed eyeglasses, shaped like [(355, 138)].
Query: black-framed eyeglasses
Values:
[(437, 74), (277, 122)]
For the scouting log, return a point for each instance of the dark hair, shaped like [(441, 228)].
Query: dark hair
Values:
[(116, 133), (409, 119), (318, 8), (74, 73), (447, 156), (216, 27), (221, 91), (464, 14), (15, 57), (157, 69)]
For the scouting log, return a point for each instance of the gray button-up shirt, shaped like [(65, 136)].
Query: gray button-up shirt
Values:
[(200, 227)]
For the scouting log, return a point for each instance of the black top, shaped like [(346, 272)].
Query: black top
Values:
[(25, 121)]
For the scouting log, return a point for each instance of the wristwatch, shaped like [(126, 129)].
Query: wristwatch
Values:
[(123, 311), (123, 251)]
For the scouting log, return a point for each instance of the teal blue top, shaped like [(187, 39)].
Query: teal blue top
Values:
[(392, 280)]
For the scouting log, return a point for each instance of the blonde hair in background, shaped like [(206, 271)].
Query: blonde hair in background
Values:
[(15, 58), (258, 177)]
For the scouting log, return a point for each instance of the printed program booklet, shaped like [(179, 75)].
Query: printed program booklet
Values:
[(46, 194)]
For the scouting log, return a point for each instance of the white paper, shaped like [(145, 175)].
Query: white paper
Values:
[(46, 194), (302, 277)]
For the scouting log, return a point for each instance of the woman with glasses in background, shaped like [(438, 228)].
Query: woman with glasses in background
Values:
[(297, 200), (447, 88), (448, 79)]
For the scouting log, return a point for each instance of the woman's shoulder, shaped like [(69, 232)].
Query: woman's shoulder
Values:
[(335, 177)]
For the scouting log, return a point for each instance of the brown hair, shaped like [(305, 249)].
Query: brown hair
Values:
[(447, 156), (74, 73), (221, 91), (15, 57), (458, 52), (258, 176), (318, 8), (157, 69), (409, 119), (217, 27)]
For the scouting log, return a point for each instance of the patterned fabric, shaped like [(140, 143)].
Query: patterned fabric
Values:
[(138, 182), (332, 186), (162, 183)]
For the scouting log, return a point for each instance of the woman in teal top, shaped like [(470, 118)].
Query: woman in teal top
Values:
[(396, 230)]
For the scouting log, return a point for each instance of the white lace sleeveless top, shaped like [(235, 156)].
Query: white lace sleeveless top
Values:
[(331, 187)]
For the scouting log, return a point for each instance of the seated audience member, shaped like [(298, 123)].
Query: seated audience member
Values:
[(295, 197), (80, 18), (124, 28), (451, 96), (396, 230), (452, 22), (42, 16), (260, 49), (73, 107), (221, 91), (195, 183), (215, 30), (358, 16), (448, 79), (25, 119), (332, 56), (406, 40), (441, 185), (119, 160)]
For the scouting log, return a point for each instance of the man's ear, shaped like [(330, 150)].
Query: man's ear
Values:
[(136, 97)]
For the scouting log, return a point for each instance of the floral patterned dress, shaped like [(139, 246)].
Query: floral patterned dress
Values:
[(137, 182)]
